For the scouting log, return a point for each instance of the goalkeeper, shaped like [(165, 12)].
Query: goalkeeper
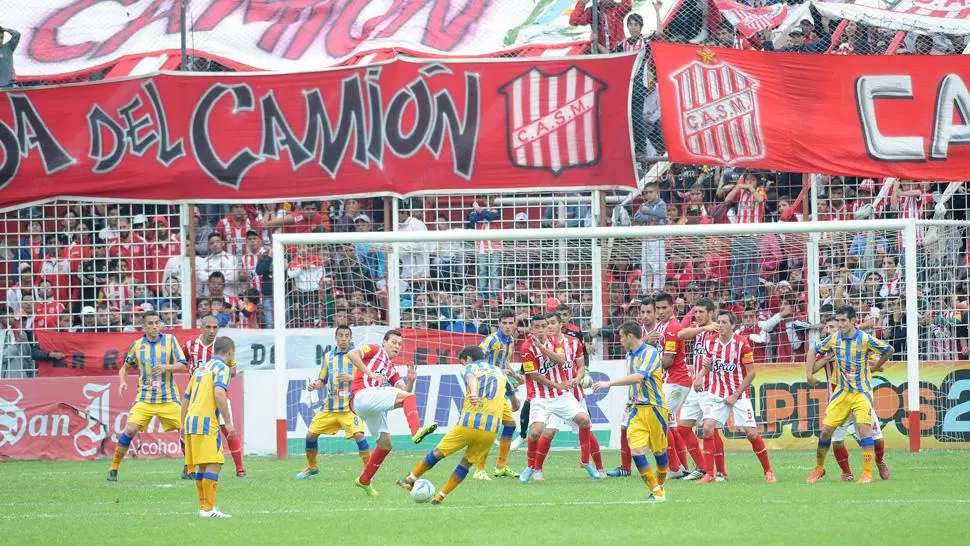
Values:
[(498, 348)]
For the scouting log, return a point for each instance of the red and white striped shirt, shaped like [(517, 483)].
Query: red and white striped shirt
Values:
[(235, 233), (375, 359), (249, 261), (573, 352), (535, 363), (750, 210), (118, 294), (646, 330), (699, 349), (197, 352), (729, 362)]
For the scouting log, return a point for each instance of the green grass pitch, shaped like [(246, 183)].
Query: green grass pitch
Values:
[(927, 500)]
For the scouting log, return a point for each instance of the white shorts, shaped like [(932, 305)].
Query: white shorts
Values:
[(566, 407), (716, 409), (372, 405), (848, 428), (676, 395), (558, 423), (222, 420), (692, 408)]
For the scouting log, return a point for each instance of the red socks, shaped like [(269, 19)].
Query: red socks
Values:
[(880, 448), (584, 434), (625, 459), (542, 449), (532, 452), (842, 457), (594, 452), (373, 464), (719, 452), (708, 455), (410, 406), (235, 450), (690, 440), (758, 446), (673, 458)]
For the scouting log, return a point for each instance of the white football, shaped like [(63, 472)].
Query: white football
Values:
[(586, 382), (422, 491)]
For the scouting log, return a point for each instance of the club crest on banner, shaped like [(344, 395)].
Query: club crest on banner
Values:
[(718, 111), (553, 119)]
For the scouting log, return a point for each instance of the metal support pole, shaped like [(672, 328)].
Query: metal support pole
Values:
[(183, 31), (593, 45)]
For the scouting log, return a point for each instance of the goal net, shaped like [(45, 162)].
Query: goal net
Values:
[(445, 287)]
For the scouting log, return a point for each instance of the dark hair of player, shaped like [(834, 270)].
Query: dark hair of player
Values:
[(345, 327), (390, 333), (664, 297), (646, 301), (472, 351), (846, 310), (537, 318), (507, 313), (563, 308), (631, 327), (552, 316), (150, 313), (223, 345), (706, 304), (729, 314)]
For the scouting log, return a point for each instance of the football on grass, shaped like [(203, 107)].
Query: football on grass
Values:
[(422, 491)]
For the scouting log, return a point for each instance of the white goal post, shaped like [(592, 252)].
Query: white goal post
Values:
[(905, 231)]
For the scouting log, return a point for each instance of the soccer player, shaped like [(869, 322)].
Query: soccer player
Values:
[(678, 381), (853, 388), (647, 425), (336, 375), (205, 403), (157, 357), (575, 370), (498, 349), (726, 376), (546, 381), (848, 428), (371, 399), (485, 402), (197, 352)]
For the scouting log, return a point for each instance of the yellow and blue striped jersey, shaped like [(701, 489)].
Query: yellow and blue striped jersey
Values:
[(337, 399), (202, 415), (498, 349), (155, 387), (852, 360), (648, 362), (493, 387)]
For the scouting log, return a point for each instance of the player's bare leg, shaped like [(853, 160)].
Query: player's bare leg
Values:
[(312, 448), (210, 482), (409, 402), (374, 462), (585, 431), (824, 443), (453, 481), (121, 449), (535, 432), (430, 459), (709, 427), (760, 451), (639, 457), (868, 451), (504, 446), (842, 458)]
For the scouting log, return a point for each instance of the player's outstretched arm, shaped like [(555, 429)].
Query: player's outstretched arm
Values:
[(357, 360), (810, 368), (690, 333), (632, 379)]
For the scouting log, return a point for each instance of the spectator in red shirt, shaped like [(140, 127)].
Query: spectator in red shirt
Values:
[(749, 195), (234, 228), (306, 220), (132, 248), (80, 248), (47, 307), (611, 15), (164, 244)]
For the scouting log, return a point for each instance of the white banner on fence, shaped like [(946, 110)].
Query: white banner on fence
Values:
[(439, 392), (924, 17), (256, 350)]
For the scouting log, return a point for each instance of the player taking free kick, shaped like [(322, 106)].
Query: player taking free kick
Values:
[(498, 349), (157, 357), (205, 403), (371, 399), (726, 375), (853, 388), (647, 425), (487, 389), (336, 377)]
